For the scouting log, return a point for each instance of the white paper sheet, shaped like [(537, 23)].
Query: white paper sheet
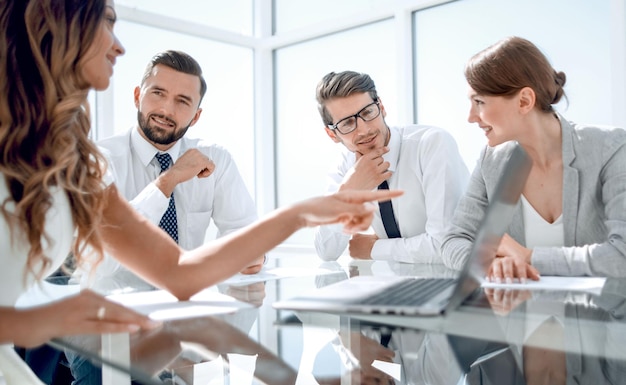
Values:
[(157, 304), (588, 284), (275, 273), (161, 305)]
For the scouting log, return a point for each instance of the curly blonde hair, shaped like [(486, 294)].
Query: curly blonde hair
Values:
[(44, 121)]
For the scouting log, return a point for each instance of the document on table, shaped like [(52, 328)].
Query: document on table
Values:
[(276, 273), (157, 304), (161, 305), (592, 285)]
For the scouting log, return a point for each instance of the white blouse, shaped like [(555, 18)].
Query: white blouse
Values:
[(13, 256), (538, 231), (14, 247)]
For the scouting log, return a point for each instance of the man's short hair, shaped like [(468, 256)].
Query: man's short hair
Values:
[(179, 61), (339, 85)]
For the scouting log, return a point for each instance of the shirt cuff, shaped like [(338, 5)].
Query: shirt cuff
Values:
[(382, 250), (335, 228), (151, 203)]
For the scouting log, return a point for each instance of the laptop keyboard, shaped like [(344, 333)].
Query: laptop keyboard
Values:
[(412, 292)]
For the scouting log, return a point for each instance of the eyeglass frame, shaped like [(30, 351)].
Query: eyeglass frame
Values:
[(355, 116)]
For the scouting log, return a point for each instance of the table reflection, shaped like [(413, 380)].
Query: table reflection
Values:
[(184, 350), (166, 352), (539, 337), (498, 337)]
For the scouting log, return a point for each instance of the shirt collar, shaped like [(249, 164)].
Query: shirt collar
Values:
[(394, 149), (146, 151)]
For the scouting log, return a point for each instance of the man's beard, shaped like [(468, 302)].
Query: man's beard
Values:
[(156, 135)]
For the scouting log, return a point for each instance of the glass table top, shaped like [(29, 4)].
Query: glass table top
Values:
[(499, 336)]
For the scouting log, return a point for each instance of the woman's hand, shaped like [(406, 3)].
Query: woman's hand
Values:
[(254, 293), (84, 313), (348, 207), (512, 261), (502, 301)]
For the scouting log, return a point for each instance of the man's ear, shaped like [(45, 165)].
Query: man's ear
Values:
[(331, 134), (136, 94), (527, 99), (196, 117), (382, 108)]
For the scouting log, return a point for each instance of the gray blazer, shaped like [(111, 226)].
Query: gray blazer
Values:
[(594, 205)]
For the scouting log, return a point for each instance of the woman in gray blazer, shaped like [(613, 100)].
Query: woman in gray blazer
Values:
[(571, 218)]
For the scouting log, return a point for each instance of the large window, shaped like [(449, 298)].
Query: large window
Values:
[(227, 108), (295, 14), (575, 35), (304, 153), (232, 15), (262, 70)]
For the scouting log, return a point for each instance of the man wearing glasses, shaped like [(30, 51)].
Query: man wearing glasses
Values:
[(421, 160)]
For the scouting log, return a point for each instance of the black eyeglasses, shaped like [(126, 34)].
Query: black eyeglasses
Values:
[(347, 125)]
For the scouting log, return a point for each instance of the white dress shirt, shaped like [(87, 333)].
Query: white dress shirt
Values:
[(222, 196), (426, 164)]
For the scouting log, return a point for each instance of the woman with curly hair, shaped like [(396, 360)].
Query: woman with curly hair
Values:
[(55, 196)]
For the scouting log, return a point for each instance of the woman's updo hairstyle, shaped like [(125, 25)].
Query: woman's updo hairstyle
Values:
[(512, 64)]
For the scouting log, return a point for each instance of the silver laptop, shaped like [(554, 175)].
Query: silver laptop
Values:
[(427, 296)]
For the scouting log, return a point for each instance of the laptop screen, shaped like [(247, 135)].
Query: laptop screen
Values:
[(495, 222)]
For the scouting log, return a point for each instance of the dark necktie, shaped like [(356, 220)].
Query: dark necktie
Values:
[(385, 337), (168, 221), (386, 214)]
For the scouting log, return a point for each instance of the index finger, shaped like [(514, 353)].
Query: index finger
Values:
[(533, 273)]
